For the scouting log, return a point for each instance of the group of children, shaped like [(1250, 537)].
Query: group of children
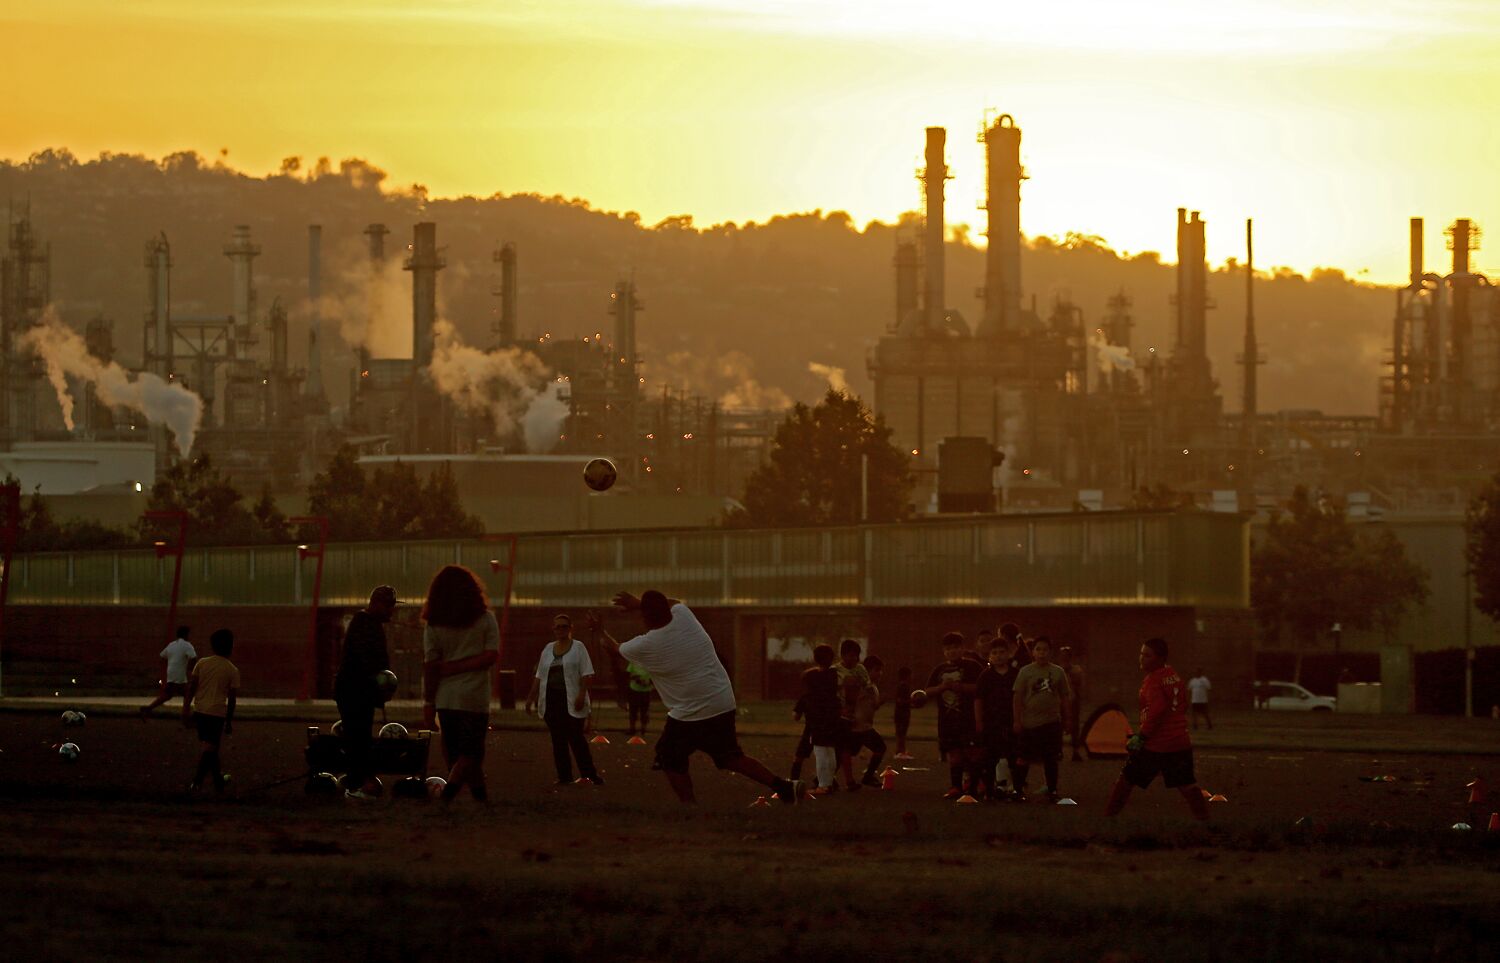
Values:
[(1000, 710), (209, 688)]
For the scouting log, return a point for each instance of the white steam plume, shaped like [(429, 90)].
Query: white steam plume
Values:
[(1110, 357), (65, 356), (544, 418), (371, 304), (502, 384), (729, 378), (833, 374)]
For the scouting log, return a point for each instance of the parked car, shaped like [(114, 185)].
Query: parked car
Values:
[(1291, 697)]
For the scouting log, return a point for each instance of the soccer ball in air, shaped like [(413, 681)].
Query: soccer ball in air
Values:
[(918, 698), (393, 730), (600, 474), (69, 751)]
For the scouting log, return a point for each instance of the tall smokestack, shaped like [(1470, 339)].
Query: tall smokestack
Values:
[(933, 177), (242, 254), (375, 235), (424, 264), (1416, 253), (1251, 359), (314, 386), (158, 357), (907, 282), (1192, 294), (623, 304), (1002, 262), (506, 325)]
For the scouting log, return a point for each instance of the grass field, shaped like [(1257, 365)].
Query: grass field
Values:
[(106, 858)]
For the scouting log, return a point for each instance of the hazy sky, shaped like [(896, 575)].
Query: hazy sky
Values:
[(1328, 121)]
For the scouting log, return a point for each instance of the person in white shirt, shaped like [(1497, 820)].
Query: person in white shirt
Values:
[(560, 695), (697, 693), (1198, 687), (177, 661)]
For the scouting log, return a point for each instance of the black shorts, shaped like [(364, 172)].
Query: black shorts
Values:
[(715, 736), (170, 689), (999, 744), (210, 728), (463, 733), (1176, 768), (1040, 744)]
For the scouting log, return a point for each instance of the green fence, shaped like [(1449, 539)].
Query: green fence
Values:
[(1194, 558)]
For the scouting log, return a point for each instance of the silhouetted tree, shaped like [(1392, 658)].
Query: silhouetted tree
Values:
[(40, 531), (813, 474), (389, 503), (1313, 569), (216, 510)]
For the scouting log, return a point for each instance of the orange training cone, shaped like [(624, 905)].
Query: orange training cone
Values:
[(1217, 797), (635, 741), (600, 740), (966, 800), (760, 801), (1206, 793), (888, 780), (1477, 791), (1494, 822)]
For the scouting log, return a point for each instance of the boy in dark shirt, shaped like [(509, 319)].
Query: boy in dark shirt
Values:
[(821, 708), (994, 701), (354, 686), (952, 684)]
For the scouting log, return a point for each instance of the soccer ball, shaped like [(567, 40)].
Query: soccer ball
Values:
[(918, 698), (72, 718), (337, 729), (69, 751), (323, 784), (393, 730), (412, 787), (600, 474), (385, 685), (435, 786)]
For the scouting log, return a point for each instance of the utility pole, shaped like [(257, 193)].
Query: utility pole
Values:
[(1250, 358)]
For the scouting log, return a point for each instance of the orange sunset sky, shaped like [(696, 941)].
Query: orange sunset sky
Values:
[(1328, 121)]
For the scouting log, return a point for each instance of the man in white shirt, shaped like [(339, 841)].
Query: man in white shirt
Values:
[(1198, 687), (692, 683), (177, 661)]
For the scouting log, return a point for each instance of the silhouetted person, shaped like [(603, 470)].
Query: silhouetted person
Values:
[(460, 645), (212, 690), (177, 661), (1198, 689), (1161, 743), (560, 695), (354, 689)]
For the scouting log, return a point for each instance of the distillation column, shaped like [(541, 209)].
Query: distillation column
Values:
[(933, 177), (1002, 262)]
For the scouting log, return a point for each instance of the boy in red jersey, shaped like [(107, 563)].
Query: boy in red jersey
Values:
[(1161, 743)]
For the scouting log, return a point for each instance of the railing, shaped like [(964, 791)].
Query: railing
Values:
[(1190, 558)]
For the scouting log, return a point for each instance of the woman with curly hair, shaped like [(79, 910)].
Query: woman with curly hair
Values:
[(460, 644)]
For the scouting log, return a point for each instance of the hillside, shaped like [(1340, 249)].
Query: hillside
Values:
[(730, 309)]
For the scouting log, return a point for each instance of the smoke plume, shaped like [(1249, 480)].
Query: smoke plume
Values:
[(371, 303), (502, 384), (1110, 357), (544, 418), (729, 379), (65, 356), (833, 374)]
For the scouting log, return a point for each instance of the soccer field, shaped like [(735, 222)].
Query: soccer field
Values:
[(106, 858)]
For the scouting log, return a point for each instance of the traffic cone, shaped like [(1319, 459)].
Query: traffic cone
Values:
[(1477, 790), (600, 740), (1494, 825), (888, 779), (1206, 793), (760, 802), (966, 800), (1218, 797), (635, 741)]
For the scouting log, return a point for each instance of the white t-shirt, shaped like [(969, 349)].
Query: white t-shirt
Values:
[(178, 653), (467, 691), (684, 666), (1198, 687)]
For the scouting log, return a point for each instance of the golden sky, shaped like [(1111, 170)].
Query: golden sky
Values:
[(1328, 121)]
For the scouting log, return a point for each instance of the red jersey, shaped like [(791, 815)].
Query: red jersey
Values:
[(1164, 705)]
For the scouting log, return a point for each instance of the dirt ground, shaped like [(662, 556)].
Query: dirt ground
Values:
[(109, 857)]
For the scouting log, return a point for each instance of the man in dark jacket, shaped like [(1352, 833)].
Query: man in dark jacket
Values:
[(354, 687)]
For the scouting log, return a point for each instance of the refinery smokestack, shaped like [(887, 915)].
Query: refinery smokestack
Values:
[(1192, 294), (242, 253), (1002, 263), (932, 180), (159, 305), (1416, 252), (623, 304), (907, 280), (314, 386), (505, 326), (424, 264)]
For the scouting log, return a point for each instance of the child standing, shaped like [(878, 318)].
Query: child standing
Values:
[(1042, 696), (853, 678), (994, 702), (952, 683), (820, 690), (903, 711), (638, 694), (862, 734), (212, 690)]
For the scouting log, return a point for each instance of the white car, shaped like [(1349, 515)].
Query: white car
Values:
[(1291, 697)]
